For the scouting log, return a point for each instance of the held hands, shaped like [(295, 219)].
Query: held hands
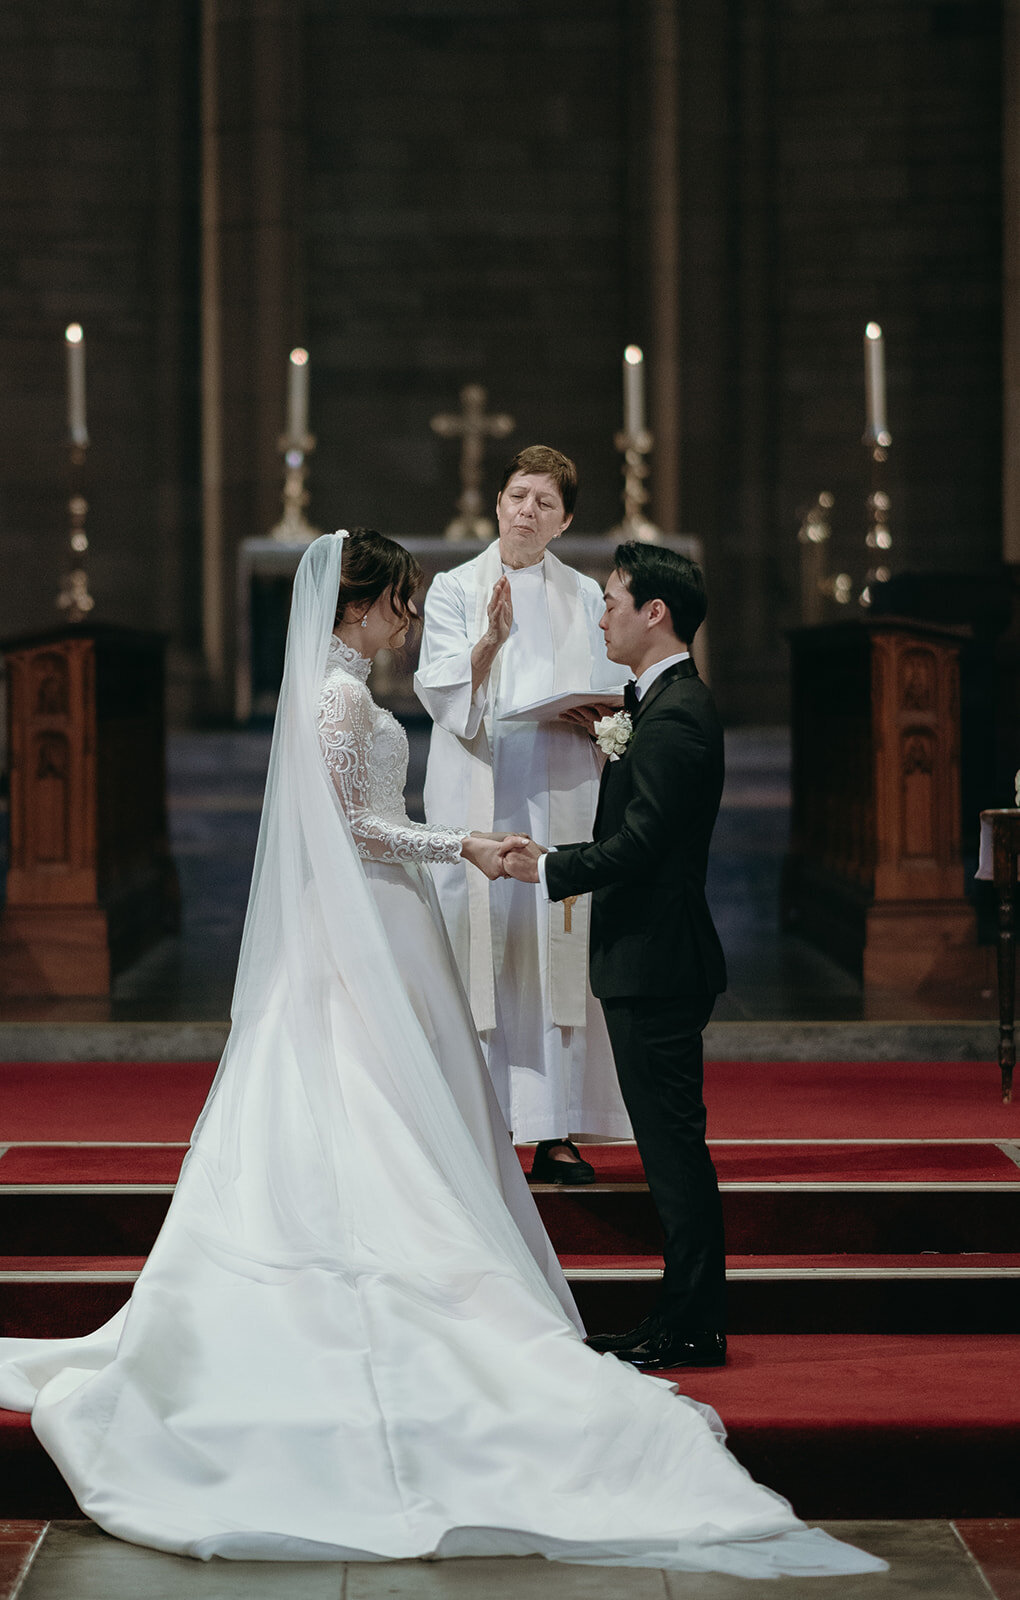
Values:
[(483, 851), (519, 859)]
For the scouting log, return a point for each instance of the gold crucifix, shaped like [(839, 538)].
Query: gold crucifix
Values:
[(568, 906), (473, 427)]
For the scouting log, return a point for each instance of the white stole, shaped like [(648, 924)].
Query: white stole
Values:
[(572, 669)]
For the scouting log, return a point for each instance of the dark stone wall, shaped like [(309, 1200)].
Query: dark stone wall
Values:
[(464, 224), (842, 164), (466, 192), (98, 191)]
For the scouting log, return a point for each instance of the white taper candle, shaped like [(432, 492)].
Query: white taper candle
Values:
[(633, 391), (74, 338), (297, 396), (874, 380)]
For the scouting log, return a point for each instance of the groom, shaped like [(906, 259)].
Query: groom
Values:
[(655, 958)]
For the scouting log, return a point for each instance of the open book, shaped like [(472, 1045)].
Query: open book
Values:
[(549, 710)]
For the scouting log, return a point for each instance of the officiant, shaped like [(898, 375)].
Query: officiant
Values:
[(509, 629)]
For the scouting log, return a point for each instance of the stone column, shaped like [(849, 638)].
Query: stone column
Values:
[(252, 303)]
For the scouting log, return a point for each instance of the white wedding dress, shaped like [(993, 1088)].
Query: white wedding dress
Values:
[(340, 1346)]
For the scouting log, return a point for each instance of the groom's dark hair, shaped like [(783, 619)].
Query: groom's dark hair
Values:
[(653, 572)]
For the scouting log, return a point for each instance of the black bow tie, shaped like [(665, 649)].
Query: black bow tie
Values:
[(630, 696)]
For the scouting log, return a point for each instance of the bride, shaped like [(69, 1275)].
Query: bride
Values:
[(343, 1345)]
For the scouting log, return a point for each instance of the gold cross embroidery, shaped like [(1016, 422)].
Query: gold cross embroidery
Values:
[(568, 905)]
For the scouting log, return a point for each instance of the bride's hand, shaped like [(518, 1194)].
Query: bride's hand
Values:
[(483, 852)]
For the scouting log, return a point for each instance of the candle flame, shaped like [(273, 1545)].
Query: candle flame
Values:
[(633, 355), (74, 333), (873, 331), (299, 357)]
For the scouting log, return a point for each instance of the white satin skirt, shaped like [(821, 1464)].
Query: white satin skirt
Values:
[(324, 1359)]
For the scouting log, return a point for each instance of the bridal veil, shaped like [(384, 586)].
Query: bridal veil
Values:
[(340, 1346)]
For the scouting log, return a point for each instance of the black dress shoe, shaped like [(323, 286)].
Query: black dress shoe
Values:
[(659, 1350), (609, 1343), (546, 1169)]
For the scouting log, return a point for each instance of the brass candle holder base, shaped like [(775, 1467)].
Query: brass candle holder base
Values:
[(294, 527), (878, 540), (635, 525), (73, 598)]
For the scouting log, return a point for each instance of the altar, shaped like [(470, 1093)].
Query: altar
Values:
[(265, 571)]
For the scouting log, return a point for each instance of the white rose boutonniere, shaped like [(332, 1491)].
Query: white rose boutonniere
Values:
[(612, 734)]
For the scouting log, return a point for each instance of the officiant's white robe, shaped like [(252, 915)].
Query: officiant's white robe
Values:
[(542, 1032)]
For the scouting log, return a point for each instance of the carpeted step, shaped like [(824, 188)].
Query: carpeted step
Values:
[(804, 1161), (906, 1196), (906, 1294), (844, 1426), (856, 1100), (817, 1218), (59, 1297), (606, 1219), (737, 1162)]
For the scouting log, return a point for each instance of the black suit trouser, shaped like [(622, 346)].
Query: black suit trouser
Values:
[(657, 1047)]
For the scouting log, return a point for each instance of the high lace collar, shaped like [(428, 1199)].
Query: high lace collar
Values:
[(352, 661)]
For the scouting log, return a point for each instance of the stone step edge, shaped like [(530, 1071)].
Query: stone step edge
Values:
[(896, 1040), (644, 1269), (885, 1186)]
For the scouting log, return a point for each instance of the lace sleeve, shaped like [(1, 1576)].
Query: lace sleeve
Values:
[(346, 738)]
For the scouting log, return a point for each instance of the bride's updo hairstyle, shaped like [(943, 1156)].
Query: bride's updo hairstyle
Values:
[(371, 565)]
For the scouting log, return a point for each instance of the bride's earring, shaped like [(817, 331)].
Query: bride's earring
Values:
[(364, 620)]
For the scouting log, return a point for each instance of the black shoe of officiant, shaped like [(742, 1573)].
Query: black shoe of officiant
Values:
[(546, 1169), (658, 1349)]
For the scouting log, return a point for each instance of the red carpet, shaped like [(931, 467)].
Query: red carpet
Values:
[(91, 1099), (819, 1163), (55, 1164), (837, 1423), (825, 1234), (757, 1163), (855, 1100)]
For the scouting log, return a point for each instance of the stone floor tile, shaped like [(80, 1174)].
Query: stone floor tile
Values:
[(18, 1543), (926, 1559), (78, 1561), (994, 1542), (507, 1578)]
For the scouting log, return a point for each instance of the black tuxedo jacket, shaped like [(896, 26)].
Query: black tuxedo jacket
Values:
[(651, 929)]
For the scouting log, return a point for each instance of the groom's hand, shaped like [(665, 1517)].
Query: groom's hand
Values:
[(586, 716), (485, 851), (520, 859)]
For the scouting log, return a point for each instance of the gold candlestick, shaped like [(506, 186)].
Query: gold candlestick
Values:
[(878, 539), (294, 527), (634, 447), (812, 536), (74, 598)]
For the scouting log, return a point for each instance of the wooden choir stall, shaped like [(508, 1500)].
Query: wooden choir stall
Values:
[(875, 873), (91, 882)]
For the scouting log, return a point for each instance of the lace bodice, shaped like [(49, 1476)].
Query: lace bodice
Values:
[(366, 753)]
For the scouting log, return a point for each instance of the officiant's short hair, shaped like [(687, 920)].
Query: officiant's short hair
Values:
[(555, 465), (653, 572)]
